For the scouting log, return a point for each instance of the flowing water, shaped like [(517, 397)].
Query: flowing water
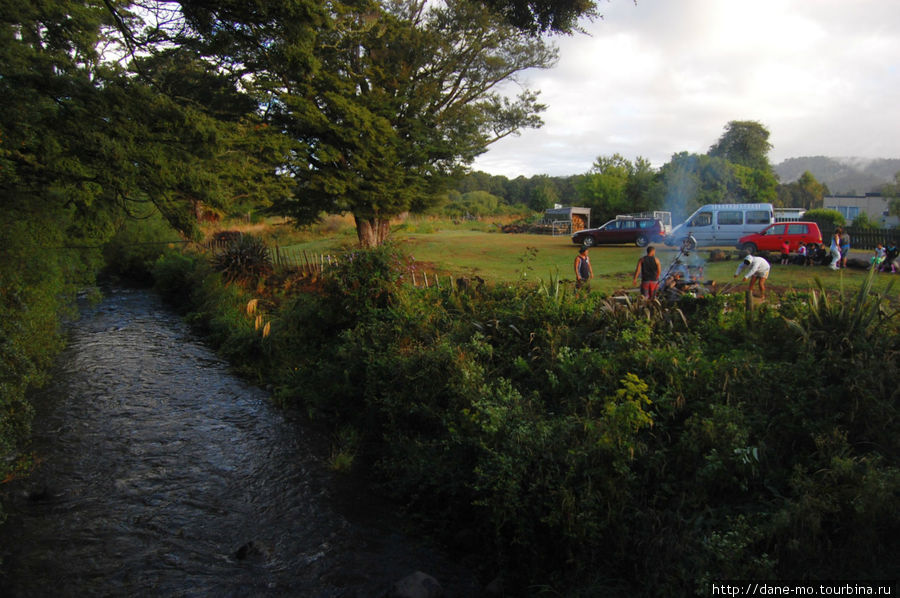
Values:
[(161, 474)]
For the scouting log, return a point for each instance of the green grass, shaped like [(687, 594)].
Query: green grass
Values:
[(501, 257)]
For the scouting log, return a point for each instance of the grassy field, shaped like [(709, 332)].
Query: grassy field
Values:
[(514, 257)]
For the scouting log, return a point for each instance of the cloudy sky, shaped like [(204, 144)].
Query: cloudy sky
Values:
[(662, 76)]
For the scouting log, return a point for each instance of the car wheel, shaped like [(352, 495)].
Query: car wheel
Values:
[(641, 241), (588, 241), (749, 248)]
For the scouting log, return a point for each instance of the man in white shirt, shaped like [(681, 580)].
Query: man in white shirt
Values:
[(759, 271)]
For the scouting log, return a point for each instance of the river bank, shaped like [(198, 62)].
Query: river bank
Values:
[(161, 473)]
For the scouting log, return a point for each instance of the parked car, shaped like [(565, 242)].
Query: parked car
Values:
[(721, 225), (640, 231), (771, 237)]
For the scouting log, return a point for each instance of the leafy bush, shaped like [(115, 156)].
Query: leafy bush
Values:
[(137, 244), (828, 220)]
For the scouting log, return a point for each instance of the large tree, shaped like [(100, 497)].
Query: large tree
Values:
[(384, 100), (806, 192), (85, 143), (603, 188), (691, 180), (744, 142), (405, 94), (616, 185)]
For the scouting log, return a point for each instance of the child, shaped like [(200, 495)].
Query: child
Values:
[(879, 256), (802, 255), (785, 252), (890, 258)]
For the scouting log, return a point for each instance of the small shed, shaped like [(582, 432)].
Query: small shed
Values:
[(573, 218)]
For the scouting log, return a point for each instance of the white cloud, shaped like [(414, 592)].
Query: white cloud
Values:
[(660, 77)]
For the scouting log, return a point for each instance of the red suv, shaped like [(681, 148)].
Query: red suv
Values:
[(771, 237), (640, 231)]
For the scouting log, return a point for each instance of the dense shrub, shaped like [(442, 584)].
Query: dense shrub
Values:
[(828, 220), (599, 448), (135, 247), (41, 268)]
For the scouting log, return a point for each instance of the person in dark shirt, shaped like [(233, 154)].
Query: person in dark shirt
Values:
[(648, 269), (584, 272)]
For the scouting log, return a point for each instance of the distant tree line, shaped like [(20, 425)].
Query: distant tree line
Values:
[(735, 169)]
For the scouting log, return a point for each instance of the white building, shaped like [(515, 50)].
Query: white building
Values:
[(874, 205)]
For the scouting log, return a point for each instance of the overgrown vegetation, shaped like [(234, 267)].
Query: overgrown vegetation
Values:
[(588, 446)]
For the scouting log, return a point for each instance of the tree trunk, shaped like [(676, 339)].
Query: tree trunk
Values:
[(372, 232)]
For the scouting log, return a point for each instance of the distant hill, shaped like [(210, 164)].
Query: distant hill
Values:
[(842, 175)]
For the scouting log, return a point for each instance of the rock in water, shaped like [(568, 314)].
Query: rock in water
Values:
[(417, 585)]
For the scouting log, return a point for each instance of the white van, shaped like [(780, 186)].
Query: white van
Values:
[(723, 224)]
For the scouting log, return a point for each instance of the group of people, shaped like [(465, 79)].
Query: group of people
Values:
[(648, 270), (839, 248), (886, 258)]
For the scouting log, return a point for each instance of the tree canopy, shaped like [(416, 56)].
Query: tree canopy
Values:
[(404, 94), (744, 142), (539, 16), (806, 192)]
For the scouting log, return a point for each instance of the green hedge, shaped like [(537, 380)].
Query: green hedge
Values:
[(587, 446)]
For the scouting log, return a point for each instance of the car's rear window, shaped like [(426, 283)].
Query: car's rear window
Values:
[(797, 229), (758, 217), (646, 223)]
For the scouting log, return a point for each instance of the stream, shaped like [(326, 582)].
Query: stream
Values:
[(159, 473)]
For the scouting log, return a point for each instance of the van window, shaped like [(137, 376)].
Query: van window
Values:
[(730, 217), (628, 224), (758, 217), (777, 229), (796, 229), (702, 219)]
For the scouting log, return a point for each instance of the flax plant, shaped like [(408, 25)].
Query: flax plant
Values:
[(841, 321)]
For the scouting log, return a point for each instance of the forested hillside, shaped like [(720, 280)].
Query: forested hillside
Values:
[(842, 175)]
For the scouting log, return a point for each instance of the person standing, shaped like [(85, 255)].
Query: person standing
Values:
[(785, 252), (845, 247), (802, 255), (584, 272), (759, 272), (648, 268), (835, 249), (879, 257)]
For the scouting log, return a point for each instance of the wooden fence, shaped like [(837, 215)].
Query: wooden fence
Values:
[(286, 257), (866, 238), (310, 262)]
